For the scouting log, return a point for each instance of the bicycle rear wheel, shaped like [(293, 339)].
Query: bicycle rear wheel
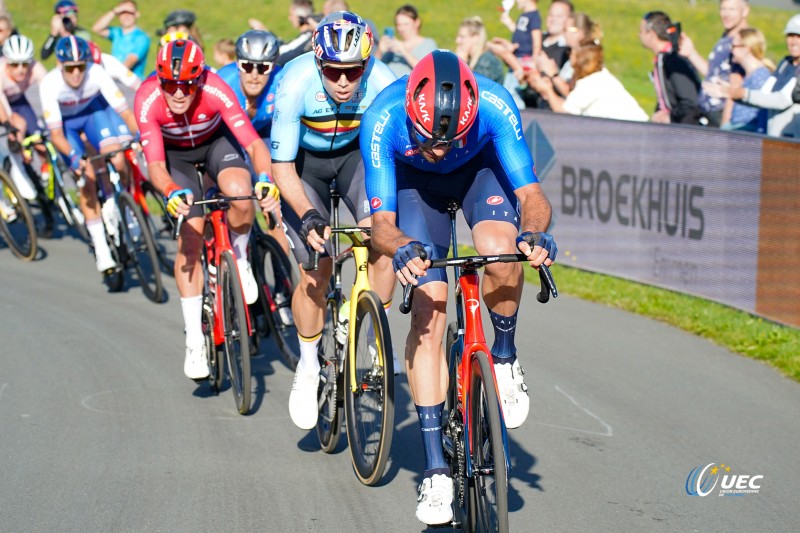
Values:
[(369, 409), (161, 226), (234, 326), (488, 485), (331, 383), (278, 283), (16, 221), (140, 247)]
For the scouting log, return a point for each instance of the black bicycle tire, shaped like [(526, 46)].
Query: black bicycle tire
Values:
[(369, 471), (216, 364), (24, 215), (115, 279), (329, 422), (69, 208), (153, 288), (285, 336), (233, 299), (161, 227), (484, 410)]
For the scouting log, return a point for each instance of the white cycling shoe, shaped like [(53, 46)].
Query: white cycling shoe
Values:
[(249, 286), (513, 393), (303, 406), (195, 365), (435, 500)]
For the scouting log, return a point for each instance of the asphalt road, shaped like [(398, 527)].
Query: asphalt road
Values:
[(102, 432)]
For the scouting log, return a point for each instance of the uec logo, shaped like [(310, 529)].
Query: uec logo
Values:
[(701, 481)]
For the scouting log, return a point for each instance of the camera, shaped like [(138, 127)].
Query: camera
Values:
[(69, 26), (674, 33)]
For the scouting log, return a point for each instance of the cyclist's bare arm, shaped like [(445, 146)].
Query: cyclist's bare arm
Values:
[(291, 187), (536, 212), (259, 155), (60, 141), (130, 120)]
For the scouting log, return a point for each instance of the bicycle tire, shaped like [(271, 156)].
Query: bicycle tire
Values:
[(278, 282), (115, 278), (20, 233), (234, 326), (140, 247), (161, 227), (72, 214), (488, 486), (216, 364), (331, 384), (369, 411)]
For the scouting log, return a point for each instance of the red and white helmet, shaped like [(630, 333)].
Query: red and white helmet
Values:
[(442, 97), (180, 60)]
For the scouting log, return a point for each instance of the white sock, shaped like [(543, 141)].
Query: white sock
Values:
[(193, 320), (239, 243), (97, 232), (309, 363)]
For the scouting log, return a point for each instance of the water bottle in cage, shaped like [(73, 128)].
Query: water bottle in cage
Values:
[(109, 211), (344, 320)]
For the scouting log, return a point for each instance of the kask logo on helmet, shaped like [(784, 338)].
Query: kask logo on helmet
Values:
[(423, 108), (467, 113)]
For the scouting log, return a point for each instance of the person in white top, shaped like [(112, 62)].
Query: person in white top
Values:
[(79, 97), (116, 68), (595, 91)]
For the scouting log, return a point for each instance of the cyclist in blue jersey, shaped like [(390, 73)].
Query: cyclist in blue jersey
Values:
[(320, 98), (440, 134), (252, 77)]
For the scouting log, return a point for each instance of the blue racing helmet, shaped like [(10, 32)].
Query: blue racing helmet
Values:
[(342, 37), (62, 7), (72, 49)]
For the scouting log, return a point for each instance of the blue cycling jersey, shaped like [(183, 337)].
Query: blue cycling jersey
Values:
[(388, 137), (305, 116), (265, 103)]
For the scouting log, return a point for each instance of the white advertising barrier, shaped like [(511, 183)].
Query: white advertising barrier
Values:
[(671, 206)]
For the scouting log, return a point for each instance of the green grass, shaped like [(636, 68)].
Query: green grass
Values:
[(619, 18)]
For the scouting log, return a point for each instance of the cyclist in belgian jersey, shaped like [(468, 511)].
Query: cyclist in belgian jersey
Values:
[(80, 97), (321, 96), (187, 116), (444, 134)]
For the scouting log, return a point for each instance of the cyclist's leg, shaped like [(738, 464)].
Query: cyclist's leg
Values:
[(123, 135), (226, 164), (491, 212), (350, 181)]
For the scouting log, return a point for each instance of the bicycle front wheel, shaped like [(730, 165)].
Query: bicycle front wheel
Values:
[(369, 400), (16, 220), (329, 393), (215, 362), (72, 214), (278, 283), (234, 326), (141, 248), (161, 227), (488, 485)]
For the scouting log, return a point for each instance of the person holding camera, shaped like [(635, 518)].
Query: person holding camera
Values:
[(674, 78), (402, 47), (63, 24)]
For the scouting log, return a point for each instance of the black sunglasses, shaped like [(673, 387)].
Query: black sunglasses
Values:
[(261, 68), (71, 68), (334, 74)]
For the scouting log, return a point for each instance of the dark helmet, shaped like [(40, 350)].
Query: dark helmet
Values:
[(180, 60), (180, 17), (63, 6), (71, 48), (257, 45), (342, 37), (442, 96)]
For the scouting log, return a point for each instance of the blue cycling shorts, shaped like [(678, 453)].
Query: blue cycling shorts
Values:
[(480, 187), (97, 122)]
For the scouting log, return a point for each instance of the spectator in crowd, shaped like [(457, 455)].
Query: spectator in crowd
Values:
[(471, 47), (675, 80), (796, 92), (749, 47), (718, 67), (63, 23), (776, 94), (554, 41), (181, 22), (303, 19), (401, 52), (224, 52), (7, 29), (525, 44), (596, 92), (332, 6), (129, 43)]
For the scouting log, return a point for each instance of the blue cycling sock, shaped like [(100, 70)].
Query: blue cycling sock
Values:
[(430, 423), (505, 327)]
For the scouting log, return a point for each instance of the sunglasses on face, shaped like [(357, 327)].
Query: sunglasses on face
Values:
[(80, 67), (425, 142), (261, 68), (17, 65), (186, 87), (334, 74)]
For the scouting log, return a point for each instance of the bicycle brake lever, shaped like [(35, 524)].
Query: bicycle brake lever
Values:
[(408, 298), (548, 285), (177, 230), (313, 261)]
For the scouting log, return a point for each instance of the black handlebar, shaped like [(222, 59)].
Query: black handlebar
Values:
[(547, 282)]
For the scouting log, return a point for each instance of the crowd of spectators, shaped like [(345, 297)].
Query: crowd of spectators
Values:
[(559, 66)]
